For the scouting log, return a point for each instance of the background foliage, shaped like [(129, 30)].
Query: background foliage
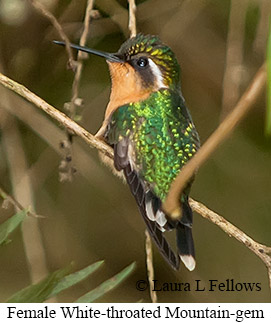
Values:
[(95, 217)]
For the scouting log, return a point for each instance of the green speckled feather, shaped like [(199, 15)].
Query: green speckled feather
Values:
[(152, 139), (161, 136)]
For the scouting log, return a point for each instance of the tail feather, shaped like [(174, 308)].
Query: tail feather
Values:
[(185, 246), (150, 208), (137, 189)]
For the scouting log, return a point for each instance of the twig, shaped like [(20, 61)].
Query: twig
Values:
[(66, 122), (80, 56), (150, 269), (66, 168), (260, 250), (171, 204), (132, 18), (234, 56), (9, 199), (48, 131), (47, 14), (148, 244)]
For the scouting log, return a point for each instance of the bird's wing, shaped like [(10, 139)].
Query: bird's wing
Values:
[(123, 160), (138, 190), (151, 144)]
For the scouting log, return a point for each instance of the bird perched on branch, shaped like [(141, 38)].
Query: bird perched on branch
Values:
[(152, 134)]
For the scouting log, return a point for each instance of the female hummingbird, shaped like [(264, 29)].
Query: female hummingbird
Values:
[(153, 136)]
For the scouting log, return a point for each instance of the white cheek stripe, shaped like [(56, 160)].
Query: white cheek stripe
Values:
[(157, 73)]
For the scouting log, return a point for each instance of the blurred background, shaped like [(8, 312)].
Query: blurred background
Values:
[(220, 45)]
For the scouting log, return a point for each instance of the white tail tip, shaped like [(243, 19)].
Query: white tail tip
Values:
[(189, 262)]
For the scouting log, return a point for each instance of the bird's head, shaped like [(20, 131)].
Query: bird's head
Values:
[(142, 65), (153, 64), (143, 58)]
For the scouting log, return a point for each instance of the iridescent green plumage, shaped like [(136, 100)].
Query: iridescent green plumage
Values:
[(152, 134), (162, 137), (153, 139)]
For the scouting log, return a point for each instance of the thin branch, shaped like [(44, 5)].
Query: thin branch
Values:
[(148, 244), (260, 250), (48, 131), (8, 199), (66, 168), (171, 204), (65, 121), (47, 14), (150, 269), (80, 57), (132, 18)]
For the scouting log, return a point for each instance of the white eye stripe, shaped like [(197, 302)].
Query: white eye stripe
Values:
[(157, 73)]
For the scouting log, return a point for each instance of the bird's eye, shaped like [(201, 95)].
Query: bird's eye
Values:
[(142, 62)]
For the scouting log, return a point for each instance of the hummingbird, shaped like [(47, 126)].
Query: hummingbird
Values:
[(152, 135)]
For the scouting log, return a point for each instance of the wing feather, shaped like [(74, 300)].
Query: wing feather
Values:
[(120, 131), (153, 228)]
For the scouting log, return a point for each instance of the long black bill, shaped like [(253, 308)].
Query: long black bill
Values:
[(108, 56)]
